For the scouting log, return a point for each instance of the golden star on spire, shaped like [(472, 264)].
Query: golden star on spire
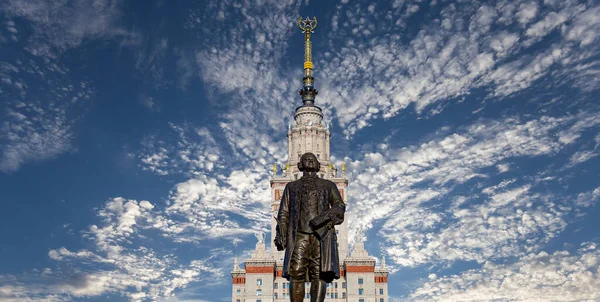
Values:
[(307, 25)]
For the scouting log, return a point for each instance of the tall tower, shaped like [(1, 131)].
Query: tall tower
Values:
[(308, 134)]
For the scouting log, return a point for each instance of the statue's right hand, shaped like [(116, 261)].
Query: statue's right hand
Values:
[(278, 243)]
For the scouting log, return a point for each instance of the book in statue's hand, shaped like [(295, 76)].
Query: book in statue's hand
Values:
[(319, 221)]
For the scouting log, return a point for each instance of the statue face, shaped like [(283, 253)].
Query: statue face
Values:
[(309, 162)]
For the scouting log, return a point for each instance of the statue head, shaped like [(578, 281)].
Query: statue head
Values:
[(309, 163)]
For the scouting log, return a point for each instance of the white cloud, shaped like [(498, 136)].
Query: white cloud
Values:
[(191, 151), (34, 127), (503, 168), (207, 205), (585, 29), (401, 187), (559, 276), (33, 134), (588, 199), (115, 266), (43, 102), (527, 12), (383, 75), (581, 156), (61, 25)]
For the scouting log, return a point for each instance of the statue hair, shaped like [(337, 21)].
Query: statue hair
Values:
[(301, 167)]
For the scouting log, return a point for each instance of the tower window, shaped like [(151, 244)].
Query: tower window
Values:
[(360, 280), (259, 292), (381, 291), (361, 291), (258, 282), (275, 285)]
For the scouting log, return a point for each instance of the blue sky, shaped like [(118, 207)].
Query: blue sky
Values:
[(137, 140)]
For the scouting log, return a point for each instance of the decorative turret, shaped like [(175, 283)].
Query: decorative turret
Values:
[(238, 281)]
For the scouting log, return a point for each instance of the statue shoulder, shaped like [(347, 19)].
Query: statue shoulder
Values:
[(327, 183), (293, 184)]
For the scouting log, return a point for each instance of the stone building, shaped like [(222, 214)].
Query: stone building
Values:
[(261, 278)]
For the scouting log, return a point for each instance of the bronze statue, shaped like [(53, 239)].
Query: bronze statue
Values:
[(309, 209)]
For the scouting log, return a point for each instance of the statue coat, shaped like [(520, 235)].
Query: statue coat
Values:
[(329, 199)]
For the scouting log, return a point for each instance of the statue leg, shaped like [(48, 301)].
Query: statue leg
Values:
[(299, 267), (317, 286), (317, 290), (297, 291)]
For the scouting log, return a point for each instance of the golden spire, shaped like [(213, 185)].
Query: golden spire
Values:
[(308, 26), (308, 92)]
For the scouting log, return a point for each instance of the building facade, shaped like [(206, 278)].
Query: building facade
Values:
[(261, 278)]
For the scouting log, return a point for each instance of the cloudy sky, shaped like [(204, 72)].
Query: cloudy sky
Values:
[(137, 140)]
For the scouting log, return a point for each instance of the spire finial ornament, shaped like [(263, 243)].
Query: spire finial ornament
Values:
[(308, 92)]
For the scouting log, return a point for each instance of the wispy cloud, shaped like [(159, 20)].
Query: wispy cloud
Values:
[(42, 102), (184, 150), (115, 265), (559, 276), (471, 45), (36, 128), (424, 219), (61, 25)]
